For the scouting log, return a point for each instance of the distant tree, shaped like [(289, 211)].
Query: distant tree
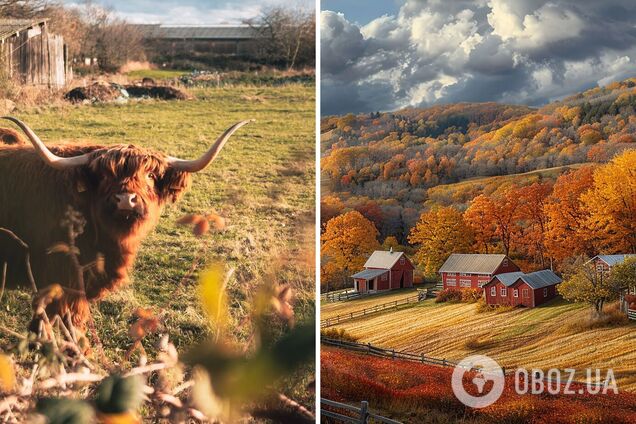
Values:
[(437, 234), (346, 244), (584, 284), (479, 218), (22, 9), (392, 243), (499, 216), (611, 203), (287, 36)]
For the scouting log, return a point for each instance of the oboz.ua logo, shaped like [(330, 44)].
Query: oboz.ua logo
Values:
[(488, 381)]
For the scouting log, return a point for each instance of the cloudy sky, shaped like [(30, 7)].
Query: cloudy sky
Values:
[(191, 12), (385, 55)]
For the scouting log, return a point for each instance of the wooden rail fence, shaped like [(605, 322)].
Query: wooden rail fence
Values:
[(356, 415), (369, 349), (328, 322), (631, 314)]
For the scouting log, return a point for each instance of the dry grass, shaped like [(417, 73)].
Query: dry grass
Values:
[(332, 309), (546, 337)]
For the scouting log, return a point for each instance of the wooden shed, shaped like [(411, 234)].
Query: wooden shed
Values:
[(384, 271), (32, 55)]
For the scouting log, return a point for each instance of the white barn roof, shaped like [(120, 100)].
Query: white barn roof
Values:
[(383, 259), (612, 260), (472, 263)]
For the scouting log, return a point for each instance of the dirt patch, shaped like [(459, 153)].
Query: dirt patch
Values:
[(156, 92), (100, 92), (97, 92)]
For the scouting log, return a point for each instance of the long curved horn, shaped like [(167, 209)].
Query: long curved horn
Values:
[(49, 157), (197, 165)]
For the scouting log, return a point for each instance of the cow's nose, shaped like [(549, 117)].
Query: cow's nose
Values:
[(126, 201)]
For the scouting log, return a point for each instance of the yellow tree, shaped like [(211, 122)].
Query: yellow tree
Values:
[(346, 244), (438, 233), (567, 234), (611, 203), (479, 217)]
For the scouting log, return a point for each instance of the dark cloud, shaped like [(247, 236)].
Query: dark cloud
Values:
[(518, 51)]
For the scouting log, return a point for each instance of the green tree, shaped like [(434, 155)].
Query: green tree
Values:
[(584, 284)]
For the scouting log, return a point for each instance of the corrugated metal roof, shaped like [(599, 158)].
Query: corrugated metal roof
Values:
[(369, 274), (9, 27), (383, 259), (612, 260), (472, 263), (220, 32), (536, 280)]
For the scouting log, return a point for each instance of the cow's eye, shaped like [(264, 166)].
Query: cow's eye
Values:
[(151, 176)]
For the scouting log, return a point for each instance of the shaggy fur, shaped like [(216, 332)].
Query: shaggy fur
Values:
[(10, 136), (34, 198)]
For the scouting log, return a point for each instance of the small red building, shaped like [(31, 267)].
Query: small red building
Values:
[(604, 263), (519, 289), (384, 271), (473, 270)]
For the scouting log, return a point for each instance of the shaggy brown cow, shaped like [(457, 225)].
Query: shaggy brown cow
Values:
[(120, 190)]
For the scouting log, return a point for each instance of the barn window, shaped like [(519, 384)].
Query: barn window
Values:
[(545, 292), (599, 267), (451, 274), (505, 262), (463, 274), (465, 283), (450, 282), (493, 291), (515, 293), (525, 293), (384, 277), (504, 292), (401, 261)]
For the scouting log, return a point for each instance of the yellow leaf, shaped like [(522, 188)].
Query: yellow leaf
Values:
[(213, 295), (7, 374), (125, 418)]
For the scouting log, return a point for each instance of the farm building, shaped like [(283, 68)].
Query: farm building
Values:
[(384, 271), (32, 55), (520, 289), (223, 40), (473, 270), (604, 263)]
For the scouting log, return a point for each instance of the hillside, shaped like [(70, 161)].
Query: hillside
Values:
[(555, 335), (398, 160)]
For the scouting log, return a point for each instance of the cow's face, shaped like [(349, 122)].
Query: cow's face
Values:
[(127, 186)]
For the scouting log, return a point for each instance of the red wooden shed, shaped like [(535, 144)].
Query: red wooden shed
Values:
[(384, 271), (519, 289), (473, 270)]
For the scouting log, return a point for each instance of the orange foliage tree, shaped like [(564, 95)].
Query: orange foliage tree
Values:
[(438, 233), (346, 244), (567, 234), (611, 202), (531, 212)]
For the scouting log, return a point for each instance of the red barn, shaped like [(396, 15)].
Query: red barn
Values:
[(473, 270), (604, 263), (384, 271), (519, 289)]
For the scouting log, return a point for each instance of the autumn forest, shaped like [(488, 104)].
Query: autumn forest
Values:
[(544, 186)]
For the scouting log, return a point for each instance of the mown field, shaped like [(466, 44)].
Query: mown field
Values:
[(332, 309), (419, 393), (262, 184), (551, 336)]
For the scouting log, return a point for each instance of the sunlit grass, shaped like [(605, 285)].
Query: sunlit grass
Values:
[(545, 337)]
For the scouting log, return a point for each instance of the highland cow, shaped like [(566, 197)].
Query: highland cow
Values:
[(120, 190)]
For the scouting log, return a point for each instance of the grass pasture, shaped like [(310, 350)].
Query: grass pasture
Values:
[(262, 184), (550, 336), (332, 309)]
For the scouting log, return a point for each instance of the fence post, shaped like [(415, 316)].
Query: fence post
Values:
[(364, 411), (444, 362), (422, 358), (393, 354)]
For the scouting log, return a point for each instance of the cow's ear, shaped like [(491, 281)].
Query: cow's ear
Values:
[(172, 184)]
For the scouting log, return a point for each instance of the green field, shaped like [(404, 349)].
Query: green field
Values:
[(157, 74), (550, 336), (262, 183)]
